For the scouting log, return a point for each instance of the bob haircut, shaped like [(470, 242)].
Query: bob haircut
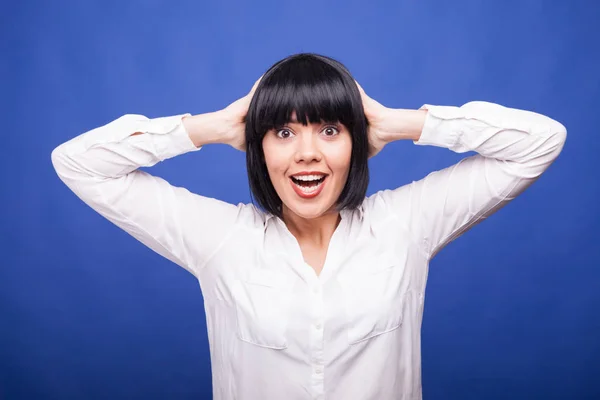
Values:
[(319, 89)]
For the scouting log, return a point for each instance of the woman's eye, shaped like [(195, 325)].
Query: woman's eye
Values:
[(286, 133), (283, 133), (331, 131)]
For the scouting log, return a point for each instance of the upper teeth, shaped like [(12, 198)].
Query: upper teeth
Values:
[(308, 177)]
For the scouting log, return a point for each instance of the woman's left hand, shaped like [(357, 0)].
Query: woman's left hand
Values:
[(389, 124), (375, 113)]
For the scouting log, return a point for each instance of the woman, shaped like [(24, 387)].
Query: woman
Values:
[(318, 292)]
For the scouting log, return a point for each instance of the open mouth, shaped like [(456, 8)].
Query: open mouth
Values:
[(308, 186)]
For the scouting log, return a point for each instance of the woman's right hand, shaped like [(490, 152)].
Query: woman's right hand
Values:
[(235, 115)]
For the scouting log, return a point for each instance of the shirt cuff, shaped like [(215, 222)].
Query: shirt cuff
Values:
[(170, 136), (434, 132)]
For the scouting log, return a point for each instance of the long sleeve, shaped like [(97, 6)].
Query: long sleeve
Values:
[(514, 147), (101, 167)]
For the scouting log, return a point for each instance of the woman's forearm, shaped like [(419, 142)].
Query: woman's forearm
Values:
[(120, 147), (208, 128), (406, 124)]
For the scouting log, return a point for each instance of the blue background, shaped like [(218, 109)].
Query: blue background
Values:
[(86, 311)]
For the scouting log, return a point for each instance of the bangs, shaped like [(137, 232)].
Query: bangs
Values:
[(314, 90)]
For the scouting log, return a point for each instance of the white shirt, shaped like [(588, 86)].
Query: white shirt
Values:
[(277, 330)]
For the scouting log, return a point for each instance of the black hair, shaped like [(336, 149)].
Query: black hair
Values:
[(318, 89)]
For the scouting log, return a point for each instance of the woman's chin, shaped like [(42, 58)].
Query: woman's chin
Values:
[(310, 210)]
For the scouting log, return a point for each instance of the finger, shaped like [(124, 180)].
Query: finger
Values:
[(256, 85), (360, 89)]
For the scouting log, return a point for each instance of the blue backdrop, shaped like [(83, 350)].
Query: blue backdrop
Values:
[(86, 311)]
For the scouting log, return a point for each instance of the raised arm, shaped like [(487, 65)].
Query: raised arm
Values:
[(514, 148), (101, 167)]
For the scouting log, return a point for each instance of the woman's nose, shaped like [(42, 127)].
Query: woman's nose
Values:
[(307, 149)]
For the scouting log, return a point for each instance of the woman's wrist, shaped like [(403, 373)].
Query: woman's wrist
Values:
[(208, 128), (403, 124)]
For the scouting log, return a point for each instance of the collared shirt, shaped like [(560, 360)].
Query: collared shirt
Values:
[(277, 330)]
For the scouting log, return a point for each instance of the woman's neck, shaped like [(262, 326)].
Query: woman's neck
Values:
[(314, 231)]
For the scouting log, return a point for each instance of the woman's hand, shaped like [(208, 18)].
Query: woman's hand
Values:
[(375, 113), (387, 124), (234, 118)]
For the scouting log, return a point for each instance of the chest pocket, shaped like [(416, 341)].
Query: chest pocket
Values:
[(262, 302), (373, 297)]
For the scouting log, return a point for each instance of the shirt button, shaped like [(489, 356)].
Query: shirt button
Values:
[(318, 325), (315, 290), (319, 370)]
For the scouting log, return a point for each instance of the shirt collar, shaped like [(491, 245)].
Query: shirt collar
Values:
[(344, 213)]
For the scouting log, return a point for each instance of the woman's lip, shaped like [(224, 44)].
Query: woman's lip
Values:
[(297, 175), (309, 173), (300, 193)]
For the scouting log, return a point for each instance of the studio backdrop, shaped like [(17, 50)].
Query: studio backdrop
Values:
[(88, 312)]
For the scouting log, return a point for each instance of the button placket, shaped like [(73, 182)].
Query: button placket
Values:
[(317, 337)]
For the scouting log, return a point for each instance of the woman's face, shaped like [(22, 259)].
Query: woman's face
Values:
[(321, 149)]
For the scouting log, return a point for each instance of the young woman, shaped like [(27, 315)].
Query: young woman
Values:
[(317, 292)]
